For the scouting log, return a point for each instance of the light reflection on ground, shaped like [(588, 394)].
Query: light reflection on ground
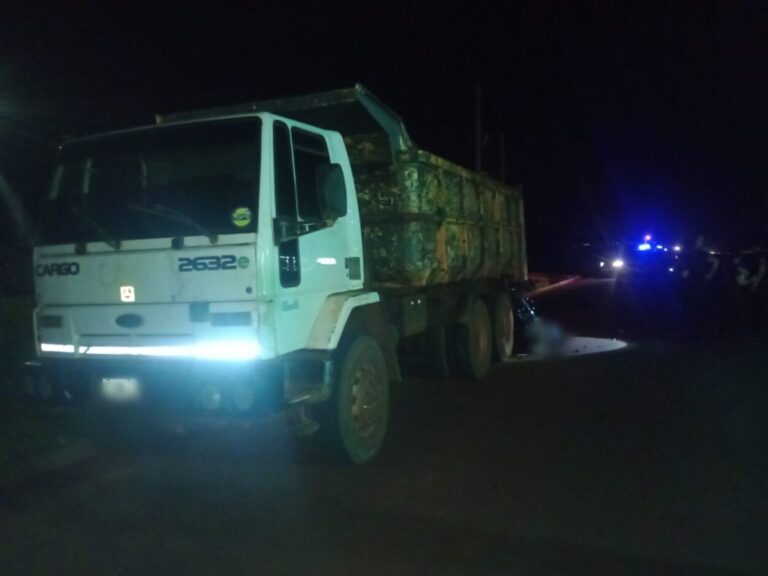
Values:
[(578, 346)]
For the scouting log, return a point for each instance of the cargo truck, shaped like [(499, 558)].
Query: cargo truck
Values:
[(299, 245)]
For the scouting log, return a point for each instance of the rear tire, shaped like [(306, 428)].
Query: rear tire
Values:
[(472, 343), (503, 327), (353, 422), (438, 351)]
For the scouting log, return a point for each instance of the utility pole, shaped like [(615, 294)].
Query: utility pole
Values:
[(478, 128)]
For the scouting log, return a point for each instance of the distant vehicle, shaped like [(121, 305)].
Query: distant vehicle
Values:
[(643, 259), (292, 244)]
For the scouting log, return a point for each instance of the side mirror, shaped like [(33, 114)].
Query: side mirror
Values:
[(332, 190)]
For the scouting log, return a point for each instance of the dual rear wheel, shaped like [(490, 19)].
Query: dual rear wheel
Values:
[(467, 350)]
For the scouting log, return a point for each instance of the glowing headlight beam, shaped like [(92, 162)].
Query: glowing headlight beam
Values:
[(618, 263), (57, 348), (225, 350)]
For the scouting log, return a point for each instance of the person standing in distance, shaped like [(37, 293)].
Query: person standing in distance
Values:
[(701, 267)]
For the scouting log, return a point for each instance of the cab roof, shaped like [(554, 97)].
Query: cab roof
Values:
[(350, 111)]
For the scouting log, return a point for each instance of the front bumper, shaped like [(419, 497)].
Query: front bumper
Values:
[(175, 385)]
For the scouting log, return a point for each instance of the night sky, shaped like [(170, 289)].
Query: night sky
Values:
[(619, 118)]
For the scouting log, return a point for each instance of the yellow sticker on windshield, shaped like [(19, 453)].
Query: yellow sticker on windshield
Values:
[(241, 217)]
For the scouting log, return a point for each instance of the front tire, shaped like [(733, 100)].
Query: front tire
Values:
[(353, 422)]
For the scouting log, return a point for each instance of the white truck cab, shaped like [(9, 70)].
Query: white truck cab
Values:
[(211, 282), (222, 242)]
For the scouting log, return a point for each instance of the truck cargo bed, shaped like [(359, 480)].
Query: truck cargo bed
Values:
[(428, 221)]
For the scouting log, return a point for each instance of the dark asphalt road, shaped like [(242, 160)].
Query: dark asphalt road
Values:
[(650, 460)]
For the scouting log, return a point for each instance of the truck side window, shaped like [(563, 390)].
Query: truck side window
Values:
[(309, 152), (285, 205), (285, 190)]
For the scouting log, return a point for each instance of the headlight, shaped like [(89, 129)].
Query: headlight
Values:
[(618, 263)]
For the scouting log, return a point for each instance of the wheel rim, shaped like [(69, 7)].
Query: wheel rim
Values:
[(365, 400)]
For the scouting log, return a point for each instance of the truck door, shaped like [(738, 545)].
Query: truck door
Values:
[(312, 266)]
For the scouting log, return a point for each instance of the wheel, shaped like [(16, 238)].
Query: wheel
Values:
[(472, 343), (503, 322), (437, 351), (353, 421)]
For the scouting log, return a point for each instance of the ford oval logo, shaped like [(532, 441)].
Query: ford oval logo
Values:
[(129, 321)]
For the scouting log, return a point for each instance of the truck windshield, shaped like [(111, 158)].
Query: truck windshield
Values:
[(195, 179)]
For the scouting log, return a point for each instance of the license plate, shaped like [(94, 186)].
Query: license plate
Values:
[(120, 389)]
